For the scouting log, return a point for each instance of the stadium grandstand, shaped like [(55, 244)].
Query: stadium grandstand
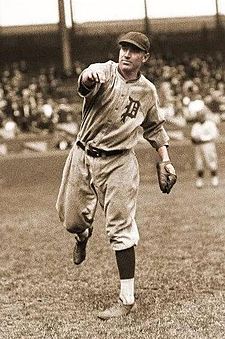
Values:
[(40, 64)]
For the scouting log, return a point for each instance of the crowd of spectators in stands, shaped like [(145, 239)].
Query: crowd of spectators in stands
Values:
[(30, 101), (185, 79)]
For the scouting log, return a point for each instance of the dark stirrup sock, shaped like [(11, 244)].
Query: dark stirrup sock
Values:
[(126, 263)]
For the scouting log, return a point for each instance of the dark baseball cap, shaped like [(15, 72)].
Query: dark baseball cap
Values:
[(136, 38)]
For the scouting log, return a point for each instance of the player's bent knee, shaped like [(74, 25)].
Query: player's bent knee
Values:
[(121, 242), (70, 228), (75, 228)]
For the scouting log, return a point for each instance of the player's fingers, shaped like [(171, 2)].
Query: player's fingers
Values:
[(92, 77), (99, 77)]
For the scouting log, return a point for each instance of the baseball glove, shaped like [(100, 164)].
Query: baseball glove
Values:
[(166, 176)]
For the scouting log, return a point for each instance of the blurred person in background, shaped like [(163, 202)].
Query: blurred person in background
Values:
[(170, 107), (64, 111), (8, 130), (166, 99), (204, 134), (215, 101)]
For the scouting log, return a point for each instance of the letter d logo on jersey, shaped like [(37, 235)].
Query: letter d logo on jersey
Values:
[(131, 109)]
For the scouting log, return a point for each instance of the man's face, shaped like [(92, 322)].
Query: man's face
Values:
[(131, 58)]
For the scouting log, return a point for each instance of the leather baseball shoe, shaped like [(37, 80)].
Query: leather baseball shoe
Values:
[(79, 252), (117, 310)]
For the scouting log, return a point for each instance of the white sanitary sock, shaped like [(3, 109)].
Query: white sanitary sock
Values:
[(127, 291)]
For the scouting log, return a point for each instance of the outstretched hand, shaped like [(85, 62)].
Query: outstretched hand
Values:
[(90, 78)]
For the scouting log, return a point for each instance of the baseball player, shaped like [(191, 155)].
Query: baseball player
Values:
[(102, 166), (204, 133)]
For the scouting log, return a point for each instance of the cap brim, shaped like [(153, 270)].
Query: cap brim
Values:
[(128, 41)]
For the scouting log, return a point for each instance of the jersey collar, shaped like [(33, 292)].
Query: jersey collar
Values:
[(127, 81)]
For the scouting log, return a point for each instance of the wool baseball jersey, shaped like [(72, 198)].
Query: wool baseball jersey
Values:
[(204, 132), (114, 111)]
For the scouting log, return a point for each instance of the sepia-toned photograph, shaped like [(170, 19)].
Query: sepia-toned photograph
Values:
[(112, 169)]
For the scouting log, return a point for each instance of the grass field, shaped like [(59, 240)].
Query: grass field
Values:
[(180, 277)]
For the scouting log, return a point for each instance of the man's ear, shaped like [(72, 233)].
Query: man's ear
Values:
[(146, 57)]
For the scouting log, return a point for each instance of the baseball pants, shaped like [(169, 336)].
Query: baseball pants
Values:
[(112, 181), (205, 154)]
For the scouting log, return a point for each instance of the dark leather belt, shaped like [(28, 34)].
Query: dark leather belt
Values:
[(96, 152)]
